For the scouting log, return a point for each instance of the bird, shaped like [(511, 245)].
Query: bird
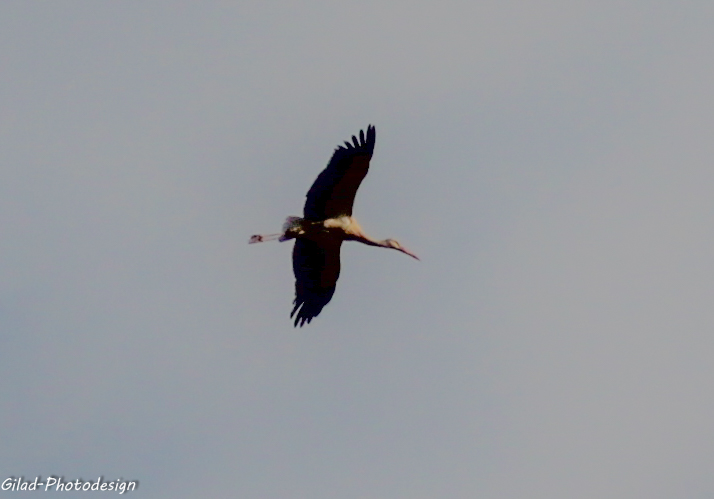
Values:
[(326, 223)]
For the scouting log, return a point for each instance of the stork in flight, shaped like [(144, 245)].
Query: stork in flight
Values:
[(327, 221)]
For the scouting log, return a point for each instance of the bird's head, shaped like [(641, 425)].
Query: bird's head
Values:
[(394, 244)]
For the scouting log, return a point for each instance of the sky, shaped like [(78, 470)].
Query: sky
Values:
[(549, 161)]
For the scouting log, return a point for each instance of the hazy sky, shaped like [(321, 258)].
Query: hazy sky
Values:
[(549, 161)]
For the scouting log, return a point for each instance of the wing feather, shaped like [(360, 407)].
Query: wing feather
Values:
[(333, 192), (317, 268)]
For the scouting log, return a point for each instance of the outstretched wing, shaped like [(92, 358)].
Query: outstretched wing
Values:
[(316, 267), (333, 192)]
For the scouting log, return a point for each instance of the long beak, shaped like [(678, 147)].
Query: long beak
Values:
[(407, 252)]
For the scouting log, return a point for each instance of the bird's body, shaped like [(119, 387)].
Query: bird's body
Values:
[(327, 221), (333, 229)]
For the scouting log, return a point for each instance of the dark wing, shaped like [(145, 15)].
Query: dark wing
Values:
[(316, 267), (333, 192)]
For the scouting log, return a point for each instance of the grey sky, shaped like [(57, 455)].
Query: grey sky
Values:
[(549, 161)]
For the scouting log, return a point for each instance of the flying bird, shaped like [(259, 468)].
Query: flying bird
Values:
[(327, 221)]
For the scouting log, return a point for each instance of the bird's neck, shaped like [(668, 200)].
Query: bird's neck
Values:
[(365, 239)]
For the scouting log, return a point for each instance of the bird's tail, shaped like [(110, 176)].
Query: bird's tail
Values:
[(291, 225)]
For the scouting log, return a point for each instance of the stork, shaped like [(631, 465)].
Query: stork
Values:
[(327, 221)]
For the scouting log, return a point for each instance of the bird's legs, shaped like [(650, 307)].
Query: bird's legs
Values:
[(261, 238)]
